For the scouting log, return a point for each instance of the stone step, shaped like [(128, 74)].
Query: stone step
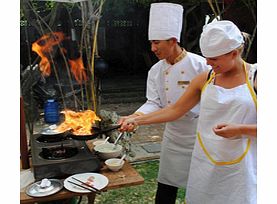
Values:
[(123, 82), (123, 95), (126, 100), (123, 88), (123, 98)]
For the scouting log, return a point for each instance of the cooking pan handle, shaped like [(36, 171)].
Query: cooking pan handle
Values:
[(94, 135), (114, 127)]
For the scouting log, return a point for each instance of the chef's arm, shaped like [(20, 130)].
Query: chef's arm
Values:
[(250, 129), (235, 130), (186, 102)]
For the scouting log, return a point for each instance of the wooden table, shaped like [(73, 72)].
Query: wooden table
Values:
[(127, 176)]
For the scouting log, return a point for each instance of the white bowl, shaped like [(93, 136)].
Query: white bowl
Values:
[(107, 150), (114, 165), (98, 142)]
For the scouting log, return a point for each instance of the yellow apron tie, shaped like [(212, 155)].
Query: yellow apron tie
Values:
[(208, 81), (252, 92)]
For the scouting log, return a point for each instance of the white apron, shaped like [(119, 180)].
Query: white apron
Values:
[(165, 84), (224, 170)]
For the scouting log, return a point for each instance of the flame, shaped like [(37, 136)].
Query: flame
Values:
[(44, 46), (78, 70), (79, 122)]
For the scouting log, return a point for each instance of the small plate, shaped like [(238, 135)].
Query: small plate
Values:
[(35, 190), (96, 180)]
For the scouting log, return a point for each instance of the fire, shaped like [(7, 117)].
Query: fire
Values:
[(43, 47), (78, 70), (79, 122)]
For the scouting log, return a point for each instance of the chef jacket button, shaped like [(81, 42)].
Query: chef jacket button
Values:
[(166, 89), (182, 72), (183, 87), (166, 73), (168, 101)]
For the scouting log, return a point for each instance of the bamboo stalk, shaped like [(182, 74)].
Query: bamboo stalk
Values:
[(92, 58), (85, 40), (218, 9), (55, 70), (212, 7), (64, 58)]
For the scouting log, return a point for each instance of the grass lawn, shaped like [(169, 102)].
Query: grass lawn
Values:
[(141, 194)]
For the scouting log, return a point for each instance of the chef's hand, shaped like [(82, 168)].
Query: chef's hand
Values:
[(227, 130), (128, 124)]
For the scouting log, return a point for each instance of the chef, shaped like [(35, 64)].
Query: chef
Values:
[(224, 169), (167, 80), (223, 165)]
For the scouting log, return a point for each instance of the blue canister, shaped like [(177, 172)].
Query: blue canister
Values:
[(51, 111)]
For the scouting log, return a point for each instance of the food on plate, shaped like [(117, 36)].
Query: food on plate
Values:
[(90, 180)]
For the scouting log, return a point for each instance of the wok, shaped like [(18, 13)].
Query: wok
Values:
[(96, 132)]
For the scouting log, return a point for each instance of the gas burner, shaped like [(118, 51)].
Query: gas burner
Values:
[(61, 159), (51, 138), (56, 153)]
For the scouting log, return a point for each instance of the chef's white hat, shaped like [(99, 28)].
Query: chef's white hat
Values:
[(165, 21), (219, 38)]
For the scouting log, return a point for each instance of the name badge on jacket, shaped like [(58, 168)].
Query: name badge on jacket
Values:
[(183, 82)]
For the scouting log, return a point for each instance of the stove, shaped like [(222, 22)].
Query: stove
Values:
[(60, 157)]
